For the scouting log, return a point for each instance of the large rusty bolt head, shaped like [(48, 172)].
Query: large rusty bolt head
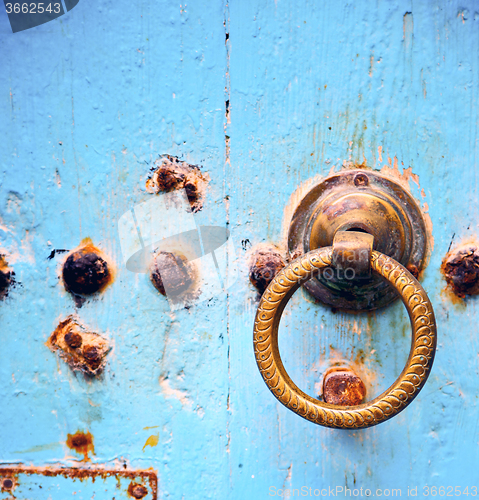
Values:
[(85, 271), (461, 270), (173, 270), (265, 265), (342, 387)]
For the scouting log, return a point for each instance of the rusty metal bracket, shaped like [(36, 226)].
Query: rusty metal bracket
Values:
[(22, 482)]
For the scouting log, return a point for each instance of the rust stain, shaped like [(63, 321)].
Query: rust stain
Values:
[(38, 448), (82, 443), (81, 474), (81, 349), (152, 441), (170, 174), (371, 65)]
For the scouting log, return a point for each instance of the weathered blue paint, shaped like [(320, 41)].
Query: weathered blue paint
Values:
[(89, 100)]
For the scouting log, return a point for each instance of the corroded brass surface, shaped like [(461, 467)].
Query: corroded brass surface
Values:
[(359, 200), (352, 250), (390, 402)]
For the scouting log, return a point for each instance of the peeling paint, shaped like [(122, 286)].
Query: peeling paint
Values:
[(171, 393), (169, 173), (81, 349)]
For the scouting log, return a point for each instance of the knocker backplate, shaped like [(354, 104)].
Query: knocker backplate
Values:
[(359, 200)]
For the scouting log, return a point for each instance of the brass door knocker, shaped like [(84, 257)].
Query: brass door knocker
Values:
[(356, 250)]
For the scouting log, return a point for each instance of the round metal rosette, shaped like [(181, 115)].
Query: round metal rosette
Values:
[(359, 200)]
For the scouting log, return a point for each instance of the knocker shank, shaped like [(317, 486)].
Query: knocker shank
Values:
[(390, 402)]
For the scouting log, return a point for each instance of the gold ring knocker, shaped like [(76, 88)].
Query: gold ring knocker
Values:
[(390, 402)]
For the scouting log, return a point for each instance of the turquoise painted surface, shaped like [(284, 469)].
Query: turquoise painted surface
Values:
[(88, 101)]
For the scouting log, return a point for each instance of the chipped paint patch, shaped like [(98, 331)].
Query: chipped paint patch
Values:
[(405, 178), (81, 349), (152, 427), (171, 393), (170, 174)]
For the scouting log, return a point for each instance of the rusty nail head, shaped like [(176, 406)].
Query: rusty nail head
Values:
[(461, 270), (190, 189), (73, 340), (264, 267), (138, 491), (91, 353), (92, 356), (361, 180), (7, 484), (78, 441), (341, 386)]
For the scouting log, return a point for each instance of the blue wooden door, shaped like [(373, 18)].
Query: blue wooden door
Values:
[(268, 98)]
